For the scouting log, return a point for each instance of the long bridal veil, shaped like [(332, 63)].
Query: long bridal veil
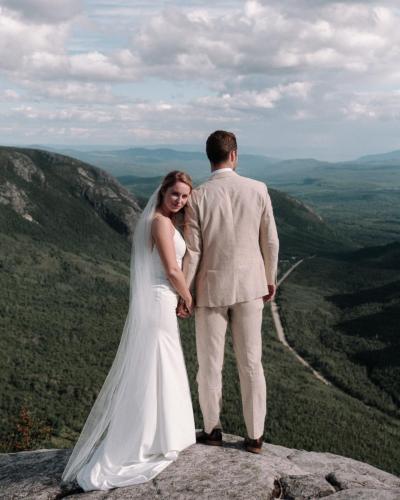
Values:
[(130, 350)]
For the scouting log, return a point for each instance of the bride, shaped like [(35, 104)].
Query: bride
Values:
[(143, 414)]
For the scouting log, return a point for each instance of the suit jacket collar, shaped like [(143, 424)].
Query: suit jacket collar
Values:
[(220, 175)]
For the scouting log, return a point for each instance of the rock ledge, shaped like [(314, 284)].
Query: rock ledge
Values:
[(212, 473)]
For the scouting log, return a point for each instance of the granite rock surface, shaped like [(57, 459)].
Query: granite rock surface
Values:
[(211, 473)]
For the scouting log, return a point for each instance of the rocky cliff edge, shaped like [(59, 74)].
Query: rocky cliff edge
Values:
[(212, 473)]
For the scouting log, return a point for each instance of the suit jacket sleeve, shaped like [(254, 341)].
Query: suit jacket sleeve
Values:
[(193, 239), (269, 241)]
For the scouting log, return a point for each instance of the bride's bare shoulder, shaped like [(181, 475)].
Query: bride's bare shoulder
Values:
[(161, 224)]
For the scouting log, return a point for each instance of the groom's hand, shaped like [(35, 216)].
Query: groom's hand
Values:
[(271, 293)]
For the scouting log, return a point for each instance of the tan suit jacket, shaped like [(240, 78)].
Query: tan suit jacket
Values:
[(232, 241)]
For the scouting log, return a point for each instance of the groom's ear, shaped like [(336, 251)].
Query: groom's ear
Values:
[(233, 155)]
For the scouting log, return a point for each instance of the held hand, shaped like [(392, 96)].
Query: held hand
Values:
[(271, 293), (180, 308), (184, 310)]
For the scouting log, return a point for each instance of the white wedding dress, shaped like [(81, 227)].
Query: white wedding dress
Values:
[(150, 418)]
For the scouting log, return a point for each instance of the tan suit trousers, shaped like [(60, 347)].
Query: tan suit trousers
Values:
[(245, 319)]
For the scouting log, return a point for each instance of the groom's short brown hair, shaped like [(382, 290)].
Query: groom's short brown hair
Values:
[(218, 146)]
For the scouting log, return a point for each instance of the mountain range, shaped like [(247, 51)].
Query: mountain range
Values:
[(54, 191), (65, 233), (358, 197), (390, 157)]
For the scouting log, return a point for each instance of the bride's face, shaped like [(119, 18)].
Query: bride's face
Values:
[(176, 197)]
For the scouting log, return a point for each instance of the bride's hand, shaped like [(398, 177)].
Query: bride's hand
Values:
[(182, 310)]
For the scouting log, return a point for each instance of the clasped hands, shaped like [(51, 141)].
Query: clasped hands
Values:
[(184, 309)]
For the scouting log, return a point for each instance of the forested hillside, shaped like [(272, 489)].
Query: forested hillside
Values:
[(64, 274), (342, 314)]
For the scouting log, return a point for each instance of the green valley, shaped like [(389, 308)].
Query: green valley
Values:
[(65, 230)]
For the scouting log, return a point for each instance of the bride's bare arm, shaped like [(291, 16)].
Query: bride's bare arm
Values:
[(162, 231)]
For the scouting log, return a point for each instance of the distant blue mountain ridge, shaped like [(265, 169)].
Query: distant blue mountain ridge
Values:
[(392, 156)]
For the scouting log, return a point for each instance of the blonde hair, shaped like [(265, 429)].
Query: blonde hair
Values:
[(169, 180)]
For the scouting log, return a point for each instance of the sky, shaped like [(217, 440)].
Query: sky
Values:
[(291, 78)]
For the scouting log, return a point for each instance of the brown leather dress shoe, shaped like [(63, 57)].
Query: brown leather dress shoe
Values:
[(253, 445), (214, 438)]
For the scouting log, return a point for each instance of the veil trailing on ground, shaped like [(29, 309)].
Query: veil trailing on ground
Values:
[(130, 349)]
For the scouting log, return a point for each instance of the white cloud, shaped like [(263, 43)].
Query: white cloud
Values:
[(44, 11), (177, 68), (93, 66), (76, 92), (373, 105), (257, 101), (9, 95), (263, 38), (19, 40), (210, 46)]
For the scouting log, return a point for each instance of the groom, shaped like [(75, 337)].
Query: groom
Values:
[(231, 267)]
